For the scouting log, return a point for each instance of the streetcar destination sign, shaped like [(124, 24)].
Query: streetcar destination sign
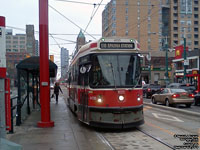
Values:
[(110, 45)]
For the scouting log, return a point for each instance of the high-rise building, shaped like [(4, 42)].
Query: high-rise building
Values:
[(18, 47), (37, 53), (64, 62), (15, 52), (151, 22), (30, 40)]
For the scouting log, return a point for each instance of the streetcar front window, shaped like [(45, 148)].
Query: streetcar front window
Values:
[(114, 70)]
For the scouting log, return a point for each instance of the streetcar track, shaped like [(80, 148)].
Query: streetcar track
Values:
[(156, 138), (104, 140)]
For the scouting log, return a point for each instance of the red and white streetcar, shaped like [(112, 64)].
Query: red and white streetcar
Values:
[(104, 84)]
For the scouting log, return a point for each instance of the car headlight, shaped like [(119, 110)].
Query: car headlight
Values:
[(121, 97)]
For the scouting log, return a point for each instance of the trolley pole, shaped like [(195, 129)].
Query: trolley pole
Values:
[(44, 66)]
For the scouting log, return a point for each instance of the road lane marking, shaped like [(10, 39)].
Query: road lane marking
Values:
[(162, 129), (167, 117), (146, 108), (199, 136)]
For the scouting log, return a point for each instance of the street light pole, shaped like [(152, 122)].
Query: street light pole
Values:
[(166, 62), (184, 55)]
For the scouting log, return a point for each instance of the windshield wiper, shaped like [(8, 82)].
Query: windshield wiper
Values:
[(113, 75)]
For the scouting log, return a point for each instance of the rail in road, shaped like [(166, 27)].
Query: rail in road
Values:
[(164, 128)]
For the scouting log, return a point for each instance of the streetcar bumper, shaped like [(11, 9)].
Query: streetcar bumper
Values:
[(126, 117)]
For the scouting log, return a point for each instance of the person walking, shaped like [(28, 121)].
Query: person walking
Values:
[(56, 91)]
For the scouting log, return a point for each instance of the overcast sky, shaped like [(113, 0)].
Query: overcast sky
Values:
[(18, 13)]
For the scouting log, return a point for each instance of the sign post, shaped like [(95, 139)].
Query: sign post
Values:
[(2, 77)]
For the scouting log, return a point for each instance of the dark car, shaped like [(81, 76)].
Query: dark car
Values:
[(150, 89), (197, 99), (188, 87)]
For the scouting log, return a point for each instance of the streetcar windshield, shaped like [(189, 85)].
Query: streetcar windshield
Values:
[(115, 70)]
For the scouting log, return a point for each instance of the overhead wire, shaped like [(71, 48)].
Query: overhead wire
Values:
[(79, 2), (92, 16), (70, 20)]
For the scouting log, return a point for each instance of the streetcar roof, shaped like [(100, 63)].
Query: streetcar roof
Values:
[(108, 45)]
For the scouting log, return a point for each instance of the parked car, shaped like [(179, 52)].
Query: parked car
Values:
[(197, 99), (188, 87), (150, 89), (170, 97)]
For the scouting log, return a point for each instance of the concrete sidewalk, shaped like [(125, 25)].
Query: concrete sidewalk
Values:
[(67, 134)]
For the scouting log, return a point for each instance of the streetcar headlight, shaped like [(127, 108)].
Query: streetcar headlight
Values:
[(99, 100), (121, 97), (138, 99)]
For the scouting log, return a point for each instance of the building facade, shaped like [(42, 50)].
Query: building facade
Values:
[(64, 57), (155, 24), (30, 40), (151, 21), (18, 47)]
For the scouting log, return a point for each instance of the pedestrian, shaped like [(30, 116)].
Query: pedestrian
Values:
[(56, 91)]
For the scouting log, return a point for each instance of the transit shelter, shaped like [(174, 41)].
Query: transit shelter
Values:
[(28, 77)]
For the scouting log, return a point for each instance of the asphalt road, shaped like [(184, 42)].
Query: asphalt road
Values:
[(165, 125), (193, 108)]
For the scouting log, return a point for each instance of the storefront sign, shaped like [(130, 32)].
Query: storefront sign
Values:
[(179, 74), (179, 50), (195, 72), (155, 69)]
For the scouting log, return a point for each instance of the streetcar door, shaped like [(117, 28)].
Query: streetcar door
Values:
[(83, 81)]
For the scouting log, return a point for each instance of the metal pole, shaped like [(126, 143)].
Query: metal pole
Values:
[(33, 91), (18, 115), (149, 71), (28, 90), (11, 105), (2, 77), (2, 109), (44, 66), (166, 61), (184, 55)]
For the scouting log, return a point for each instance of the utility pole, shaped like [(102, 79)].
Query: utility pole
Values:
[(149, 36), (184, 55), (166, 62)]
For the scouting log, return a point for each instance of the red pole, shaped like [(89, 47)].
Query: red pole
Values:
[(44, 66)]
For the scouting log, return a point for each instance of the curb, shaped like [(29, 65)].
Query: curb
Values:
[(174, 109)]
